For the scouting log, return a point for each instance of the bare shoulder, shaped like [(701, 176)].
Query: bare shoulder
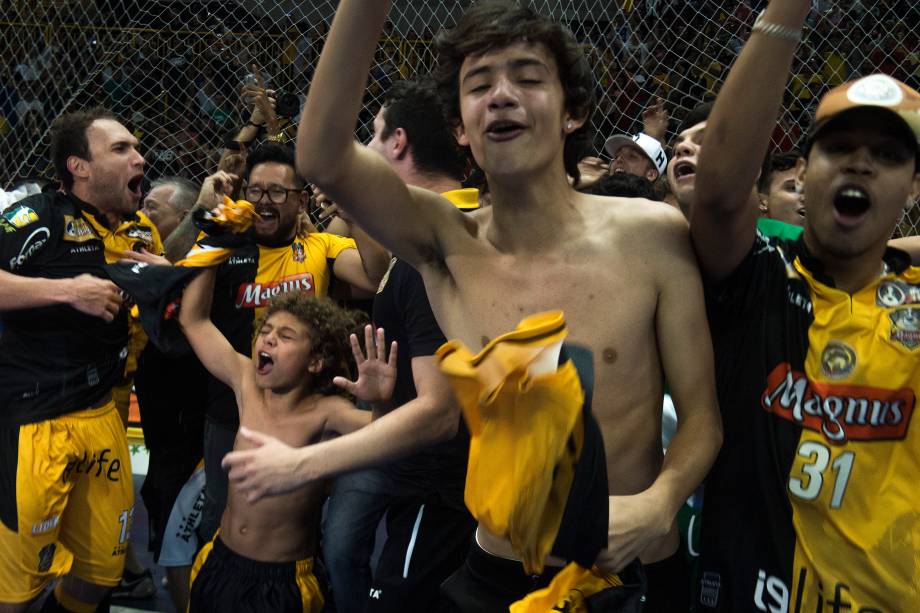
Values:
[(637, 219), (331, 403)]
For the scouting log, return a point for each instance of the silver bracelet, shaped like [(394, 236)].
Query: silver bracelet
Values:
[(776, 30)]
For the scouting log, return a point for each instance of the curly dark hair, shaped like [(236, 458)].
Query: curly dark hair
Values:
[(330, 325), (495, 24)]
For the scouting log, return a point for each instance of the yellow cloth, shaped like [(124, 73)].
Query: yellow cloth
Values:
[(526, 433), (567, 591)]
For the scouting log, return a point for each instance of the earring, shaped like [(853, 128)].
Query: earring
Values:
[(568, 125)]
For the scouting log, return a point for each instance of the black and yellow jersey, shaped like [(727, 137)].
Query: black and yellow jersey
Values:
[(248, 280), (812, 503), (55, 359)]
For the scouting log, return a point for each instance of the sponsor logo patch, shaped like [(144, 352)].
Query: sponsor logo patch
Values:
[(21, 217), (838, 360), (840, 412), (76, 230), (253, 295), (141, 233), (896, 293), (905, 327), (99, 465), (30, 247)]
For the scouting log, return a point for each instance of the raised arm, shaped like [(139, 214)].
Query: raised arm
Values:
[(274, 468), (211, 347), (736, 138), (365, 266), (410, 222), (211, 194)]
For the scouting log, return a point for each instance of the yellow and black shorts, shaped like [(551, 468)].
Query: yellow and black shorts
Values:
[(66, 501), (223, 580)]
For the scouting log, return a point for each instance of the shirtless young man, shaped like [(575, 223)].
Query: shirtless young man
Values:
[(625, 275), (266, 547)]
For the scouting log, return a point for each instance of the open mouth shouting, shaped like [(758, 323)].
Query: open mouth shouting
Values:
[(134, 186), (267, 215), (851, 203), (684, 171), (264, 363), (502, 130)]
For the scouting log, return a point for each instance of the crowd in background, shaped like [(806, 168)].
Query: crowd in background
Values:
[(175, 74)]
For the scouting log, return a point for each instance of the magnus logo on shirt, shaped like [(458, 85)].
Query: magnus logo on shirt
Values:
[(840, 412), (253, 295)]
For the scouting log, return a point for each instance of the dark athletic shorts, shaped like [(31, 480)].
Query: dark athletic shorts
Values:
[(223, 580)]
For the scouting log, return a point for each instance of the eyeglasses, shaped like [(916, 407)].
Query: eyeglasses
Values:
[(276, 193)]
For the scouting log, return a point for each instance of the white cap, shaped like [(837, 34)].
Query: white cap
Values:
[(648, 145)]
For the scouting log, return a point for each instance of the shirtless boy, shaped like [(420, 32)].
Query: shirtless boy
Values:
[(520, 96), (264, 549)]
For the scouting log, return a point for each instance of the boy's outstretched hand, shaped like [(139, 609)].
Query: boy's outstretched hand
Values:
[(376, 371)]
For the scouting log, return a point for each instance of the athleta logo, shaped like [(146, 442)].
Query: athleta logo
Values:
[(840, 412), (252, 295)]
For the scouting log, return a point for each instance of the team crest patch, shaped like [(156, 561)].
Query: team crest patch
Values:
[(896, 293), (299, 254), (876, 90), (76, 230), (905, 327), (838, 360), (21, 217), (46, 557)]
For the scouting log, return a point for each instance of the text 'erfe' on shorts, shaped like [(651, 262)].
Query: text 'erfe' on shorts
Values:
[(66, 501)]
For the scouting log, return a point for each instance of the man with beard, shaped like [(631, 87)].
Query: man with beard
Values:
[(66, 495), (811, 503), (280, 259)]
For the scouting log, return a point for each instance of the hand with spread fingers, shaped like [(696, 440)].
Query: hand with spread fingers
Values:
[(376, 371)]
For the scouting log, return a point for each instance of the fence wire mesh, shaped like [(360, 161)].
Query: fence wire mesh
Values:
[(173, 69)]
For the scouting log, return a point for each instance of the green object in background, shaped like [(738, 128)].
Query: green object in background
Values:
[(773, 228)]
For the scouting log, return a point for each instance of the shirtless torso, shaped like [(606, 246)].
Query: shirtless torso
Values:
[(282, 528), (608, 278)]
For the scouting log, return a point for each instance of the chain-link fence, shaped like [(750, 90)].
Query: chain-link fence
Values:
[(173, 68)]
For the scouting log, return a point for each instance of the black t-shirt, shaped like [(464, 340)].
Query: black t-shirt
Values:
[(402, 309), (55, 359)]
